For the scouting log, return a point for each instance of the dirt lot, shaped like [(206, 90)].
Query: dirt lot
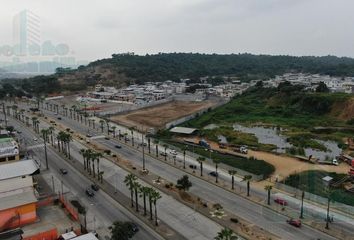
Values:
[(284, 165), (158, 116)]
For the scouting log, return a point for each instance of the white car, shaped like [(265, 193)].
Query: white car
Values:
[(35, 139), (173, 152)]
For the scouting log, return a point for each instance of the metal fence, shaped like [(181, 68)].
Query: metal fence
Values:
[(315, 198)]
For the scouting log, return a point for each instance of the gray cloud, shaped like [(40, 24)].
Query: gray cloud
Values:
[(96, 29)]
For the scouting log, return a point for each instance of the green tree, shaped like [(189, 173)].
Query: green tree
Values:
[(129, 181), (155, 197), (121, 231), (322, 87), (201, 160), (268, 188), (247, 178), (232, 173), (184, 183), (226, 234)]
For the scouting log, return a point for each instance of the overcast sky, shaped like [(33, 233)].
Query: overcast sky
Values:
[(97, 28)]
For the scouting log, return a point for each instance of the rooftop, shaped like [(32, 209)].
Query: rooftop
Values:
[(19, 199), (18, 169), (50, 217), (88, 236), (183, 130)]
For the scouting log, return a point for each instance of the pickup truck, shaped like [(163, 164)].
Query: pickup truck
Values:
[(329, 162), (242, 149)]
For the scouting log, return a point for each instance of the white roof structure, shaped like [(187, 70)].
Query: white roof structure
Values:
[(88, 236), (18, 169), (183, 130), (68, 236)]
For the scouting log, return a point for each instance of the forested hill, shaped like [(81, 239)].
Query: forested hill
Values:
[(175, 66), (124, 69)]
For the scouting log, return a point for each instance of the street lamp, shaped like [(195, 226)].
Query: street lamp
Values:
[(327, 181)]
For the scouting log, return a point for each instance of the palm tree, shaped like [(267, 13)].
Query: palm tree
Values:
[(129, 182), (165, 146), (268, 188), (149, 141), (201, 160), (132, 134), (155, 196), (114, 131), (156, 142), (67, 139), (97, 157), (226, 234), (51, 131), (247, 178), (216, 161), (136, 186), (184, 156), (101, 122), (150, 196), (232, 173), (45, 133), (107, 124), (144, 192), (83, 153)]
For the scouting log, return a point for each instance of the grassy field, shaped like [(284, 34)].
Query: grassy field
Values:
[(254, 166), (311, 181)]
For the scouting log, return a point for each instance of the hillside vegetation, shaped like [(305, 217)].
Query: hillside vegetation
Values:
[(286, 105), (124, 69)]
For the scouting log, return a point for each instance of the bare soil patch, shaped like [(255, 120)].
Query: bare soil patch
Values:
[(158, 116)]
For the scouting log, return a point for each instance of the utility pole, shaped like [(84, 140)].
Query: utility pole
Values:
[(53, 186), (142, 144)]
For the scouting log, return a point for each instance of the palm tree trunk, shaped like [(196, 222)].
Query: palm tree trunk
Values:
[(150, 203), (131, 197), (232, 182), (144, 197), (136, 200), (156, 224)]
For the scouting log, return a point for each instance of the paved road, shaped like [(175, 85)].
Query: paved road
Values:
[(252, 212), (103, 209), (175, 214)]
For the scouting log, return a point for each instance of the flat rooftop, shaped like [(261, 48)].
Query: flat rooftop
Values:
[(17, 199), (183, 130), (50, 217), (18, 169)]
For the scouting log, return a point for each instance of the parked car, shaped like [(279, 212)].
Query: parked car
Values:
[(118, 146), (95, 187), (163, 154), (173, 152), (193, 166), (134, 227), (89, 192), (281, 201), (63, 171), (294, 222), (214, 174), (59, 118), (88, 135), (35, 139), (107, 138)]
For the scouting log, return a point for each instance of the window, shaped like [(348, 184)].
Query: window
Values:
[(11, 158)]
